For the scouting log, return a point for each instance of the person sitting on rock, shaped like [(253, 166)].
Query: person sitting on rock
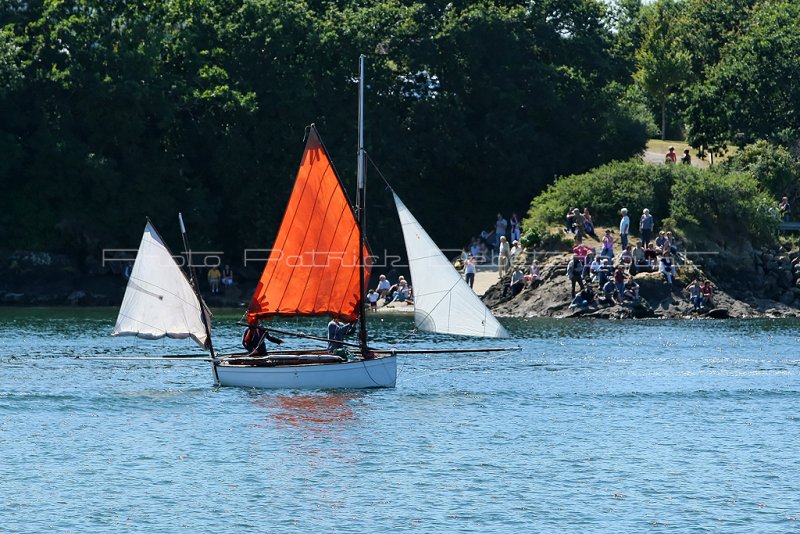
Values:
[(659, 241), (651, 256), (639, 260), (631, 291), (667, 268), (609, 294), (708, 294), (625, 259), (584, 298), (515, 284), (594, 269), (535, 275)]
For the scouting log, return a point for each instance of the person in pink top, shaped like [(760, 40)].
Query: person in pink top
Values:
[(608, 246)]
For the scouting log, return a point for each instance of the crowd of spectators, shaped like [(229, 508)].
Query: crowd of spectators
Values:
[(608, 278)]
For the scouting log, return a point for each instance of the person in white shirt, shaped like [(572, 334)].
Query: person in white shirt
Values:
[(624, 227)]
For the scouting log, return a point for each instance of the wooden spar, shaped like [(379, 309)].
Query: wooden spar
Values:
[(391, 351), (444, 351), (308, 336), (183, 358)]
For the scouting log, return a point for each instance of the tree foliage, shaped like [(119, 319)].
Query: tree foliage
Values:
[(661, 64), (115, 110)]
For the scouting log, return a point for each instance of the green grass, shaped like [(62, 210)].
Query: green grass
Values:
[(661, 147)]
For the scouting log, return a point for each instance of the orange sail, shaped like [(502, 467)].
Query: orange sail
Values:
[(314, 266)]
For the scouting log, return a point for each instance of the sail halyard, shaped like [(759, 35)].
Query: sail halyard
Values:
[(443, 302), (159, 300), (313, 268)]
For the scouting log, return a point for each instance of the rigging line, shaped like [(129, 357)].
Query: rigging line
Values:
[(369, 158)]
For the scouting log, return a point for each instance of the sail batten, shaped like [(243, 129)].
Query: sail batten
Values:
[(443, 302), (314, 268), (159, 301)]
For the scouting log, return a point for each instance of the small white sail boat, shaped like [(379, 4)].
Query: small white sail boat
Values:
[(160, 301), (443, 302)]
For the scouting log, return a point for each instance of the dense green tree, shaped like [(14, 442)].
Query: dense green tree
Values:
[(754, 91), (115, 110), (661, 64)]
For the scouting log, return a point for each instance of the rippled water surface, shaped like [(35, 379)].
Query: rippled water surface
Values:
[(592, 426)]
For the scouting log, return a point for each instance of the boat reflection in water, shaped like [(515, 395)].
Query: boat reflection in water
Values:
[(326, 412)]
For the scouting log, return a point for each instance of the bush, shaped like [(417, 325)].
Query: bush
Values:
[(772, 165), (632, 184), (692, 202), (723, 206)]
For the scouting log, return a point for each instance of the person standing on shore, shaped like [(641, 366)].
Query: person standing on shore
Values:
[(214, 276), (646, 226), (515, 227), (624, 227), (686, 159), (470, 268), (574, 271), (503, 256), (608, 246)]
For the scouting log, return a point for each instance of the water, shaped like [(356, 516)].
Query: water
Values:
[(592, 426)]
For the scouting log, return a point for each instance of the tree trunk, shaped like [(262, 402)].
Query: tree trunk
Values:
[(663, 120)]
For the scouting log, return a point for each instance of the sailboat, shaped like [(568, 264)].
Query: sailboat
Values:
[(319, 266), (160, 301)]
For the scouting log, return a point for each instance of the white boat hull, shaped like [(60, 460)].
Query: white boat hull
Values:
[(376, 373)]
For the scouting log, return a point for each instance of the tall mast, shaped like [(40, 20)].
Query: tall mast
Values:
[(361, 208)]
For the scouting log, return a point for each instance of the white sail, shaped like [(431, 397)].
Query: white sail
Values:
[(443, 302), (159, 301)]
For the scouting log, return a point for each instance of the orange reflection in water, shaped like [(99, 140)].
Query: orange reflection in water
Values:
[(321, 412)]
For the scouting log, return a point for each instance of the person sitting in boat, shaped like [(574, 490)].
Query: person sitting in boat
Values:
[(254, 338), (336, 332)]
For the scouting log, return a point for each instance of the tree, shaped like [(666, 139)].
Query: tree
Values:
[(662, 65), (754, 91)]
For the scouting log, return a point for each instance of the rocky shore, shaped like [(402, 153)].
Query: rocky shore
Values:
[(751, 283)]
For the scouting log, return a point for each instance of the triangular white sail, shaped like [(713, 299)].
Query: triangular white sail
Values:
[(443, 302), (159, 301)]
